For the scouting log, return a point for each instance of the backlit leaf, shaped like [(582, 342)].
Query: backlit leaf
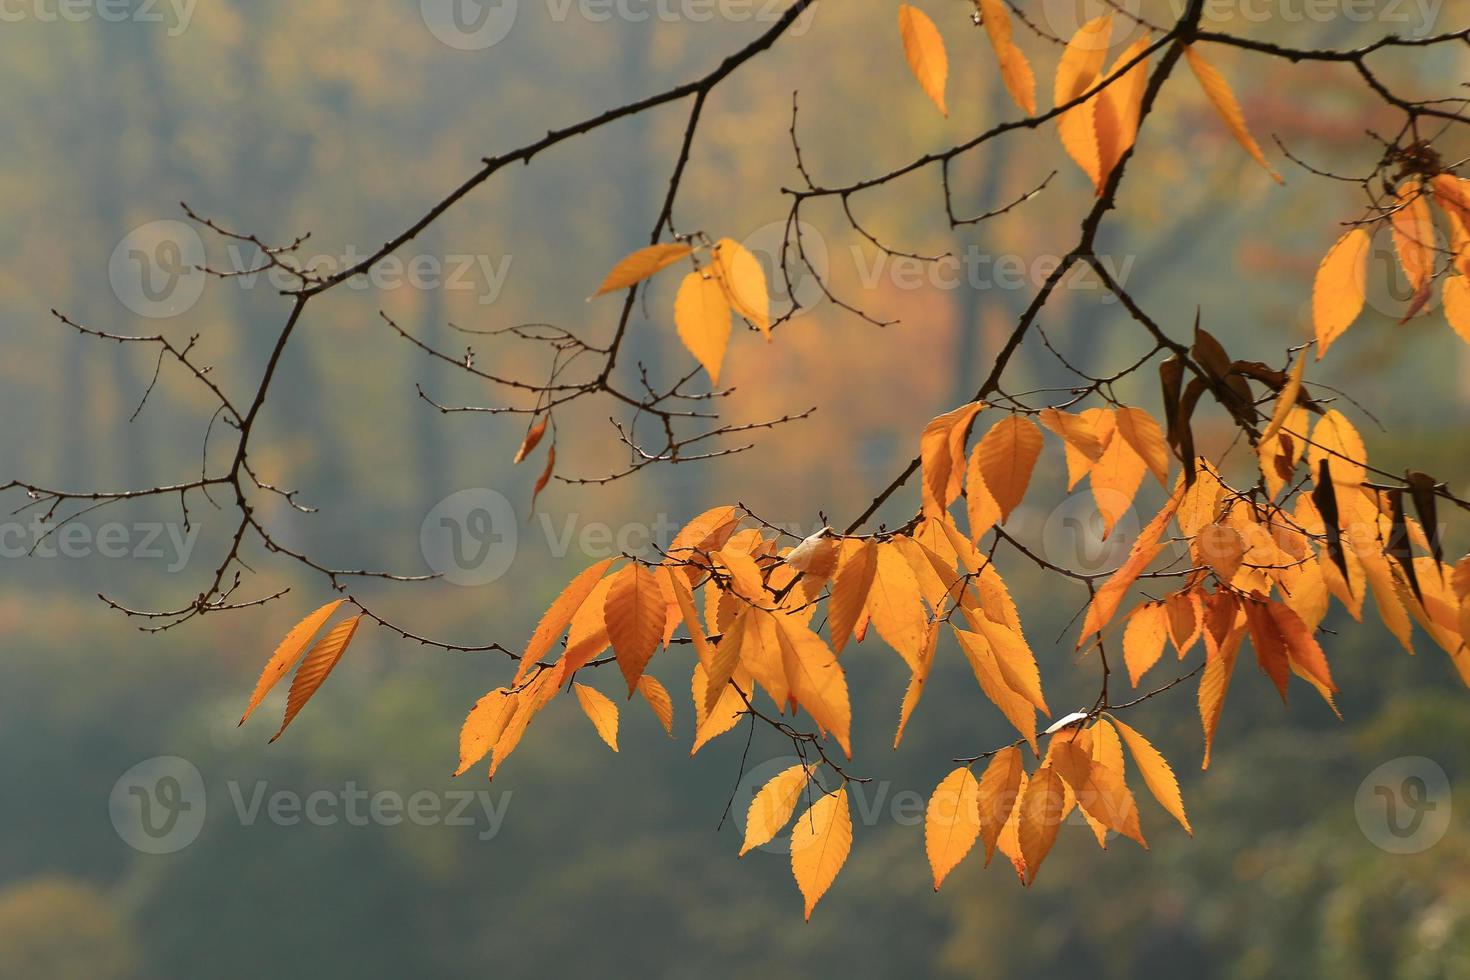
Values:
[(821, 839), (923, 47), (601, 711)]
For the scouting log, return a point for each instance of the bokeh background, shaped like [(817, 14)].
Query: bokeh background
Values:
[(348, 120)]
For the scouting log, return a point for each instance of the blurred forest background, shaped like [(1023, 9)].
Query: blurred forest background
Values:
[(348, 120)]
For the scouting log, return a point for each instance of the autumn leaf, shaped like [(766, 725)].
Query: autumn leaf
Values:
[(1335, 439), (638, 266), (601, 711), (924, 48), (821, 839), (483, 726), (287, 653), (1222, 548), (917, 680), (558, 617), (1016, 708), (1120, 107), (1041, 817), (1223, 99), (818, 683), (896, 606), (544, 478), (1077, 73), (1413, 237), (635, 620), (315, 667), (658, 699), (951, 822), (740, 274), (1457, 305), (1340, 288), (1007, 455), (942, 455), (772, 806), (1158, 776), (855, 573), (532, 440), (1285, 401), (997, 794), (1015, 70), (1144, 638), (1143, 434), (1145, 549), (702, 317)]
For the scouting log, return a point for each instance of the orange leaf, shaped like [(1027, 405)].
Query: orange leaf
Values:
[(638, 266), (923, 47), (744, 282), (942, 452), (820, 842), (772, 806), (634, 612), (1007, 455), (658, 699), (1413, 234), (818, 683), (896, 606), (702, 317), (1015, 70), (1156, 772), (996, 795), (533, 438), (1143, 434), (559, 617), (1145, 550), (1340, 288), (286, 654), (1041, 817), (1220, 96), (855, 575), (483, 726), (1077, 73), (1144, 638), (951, 822), (315, 667), (601, 711)]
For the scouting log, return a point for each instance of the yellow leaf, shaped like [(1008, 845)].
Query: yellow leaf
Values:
[(1220, 96), (634, 612), (855, 572), (559, 617), (726, 658), (1144, 638), (286, 653), (744, 281), (315, 667), (817, 680), (1098, 788), (1143, 434), (1222, 548), (1077, 73), (702, 317), (638, 266), (1157, 775), (772, 806), (896, 606), (1286, 401), (729, 708), (1105, 603), (1041, 817), (1340, 288), (1116, 477), (1008, 454), (1335, 439), (702, 649), (1013, 657), (587, 636), (951, 822), (942, 453), (1015, 70), (1220, 655), (1457, 305), (707, 532), (996, 795), (658, 699), (1413, 234), (760, 653), (924, 49), (917, 680), (820, 842), (1019, 711), (982, 510), (482, 727), (601, 711), (528, 701), (1119, 108), (1079, 438)]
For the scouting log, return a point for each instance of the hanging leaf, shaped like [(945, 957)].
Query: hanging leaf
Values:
[(1077, 73), (315, 667), (532, 440), (658, 699), (896, 605), (744, 281), (1041, 818), (923, 47), (1144, 638), (942, 454), (638, 266), (287, 653), (635, 620), (1158, 776), (702, 317), (1413, 236), (1340, 288), (997, 794), (483, 726), (601, 711), (1015, 70), (818, 683), (855, 575), (559, 616), (821, 839), (773, 805), (951, 822), (1007, 455), (1223, 99)]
